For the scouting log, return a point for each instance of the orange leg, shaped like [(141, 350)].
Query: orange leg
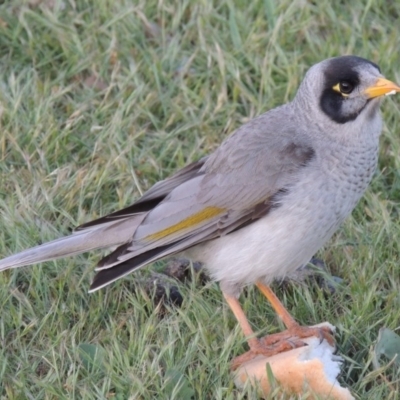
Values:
[(256, 347), (276, 304), (278, 342), (241, 318), (293, 328)]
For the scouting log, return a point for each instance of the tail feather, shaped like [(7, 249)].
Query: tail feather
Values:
[(107, 276), (107, 235)]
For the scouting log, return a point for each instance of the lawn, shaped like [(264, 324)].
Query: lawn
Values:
[(101, 99)]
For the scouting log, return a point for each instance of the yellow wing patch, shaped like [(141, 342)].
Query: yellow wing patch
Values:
[(203, 215)]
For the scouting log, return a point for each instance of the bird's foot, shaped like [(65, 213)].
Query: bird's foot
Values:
[(297, 332), (289, 339), (266, 349)]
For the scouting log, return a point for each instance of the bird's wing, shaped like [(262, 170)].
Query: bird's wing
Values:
[(237, 184), (151, 198)]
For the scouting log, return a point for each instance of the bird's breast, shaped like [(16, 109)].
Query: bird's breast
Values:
[(346, 174)]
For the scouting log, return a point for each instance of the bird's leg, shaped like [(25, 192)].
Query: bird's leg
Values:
[(256, 347), (294, 330), (276, 304), (241, 318)]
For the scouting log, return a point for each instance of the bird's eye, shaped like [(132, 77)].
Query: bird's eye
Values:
[(345, 87)]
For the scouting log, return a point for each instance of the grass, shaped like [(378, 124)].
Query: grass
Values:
[(98, 101)]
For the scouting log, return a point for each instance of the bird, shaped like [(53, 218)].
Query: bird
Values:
[(261, 205)]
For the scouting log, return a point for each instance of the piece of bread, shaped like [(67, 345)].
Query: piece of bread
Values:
[(309, 369)]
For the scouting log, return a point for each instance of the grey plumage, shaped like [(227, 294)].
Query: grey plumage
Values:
[(264, 202)]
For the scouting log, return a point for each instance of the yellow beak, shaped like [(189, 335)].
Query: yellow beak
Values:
[(382, 87)]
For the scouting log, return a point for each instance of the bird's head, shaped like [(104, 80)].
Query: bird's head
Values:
[(345, 88)]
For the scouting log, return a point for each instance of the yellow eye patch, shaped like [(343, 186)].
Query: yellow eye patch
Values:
[(336, 88)]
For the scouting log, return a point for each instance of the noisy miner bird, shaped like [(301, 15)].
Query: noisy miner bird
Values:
[(261, 205)]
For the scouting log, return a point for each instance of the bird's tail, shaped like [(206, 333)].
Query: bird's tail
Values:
[(108, 234)]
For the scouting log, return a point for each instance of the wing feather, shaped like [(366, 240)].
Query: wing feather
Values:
[(152, 197)]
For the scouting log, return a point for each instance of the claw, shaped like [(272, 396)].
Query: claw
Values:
[(276, 343), (267, 346), (322, 332)]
